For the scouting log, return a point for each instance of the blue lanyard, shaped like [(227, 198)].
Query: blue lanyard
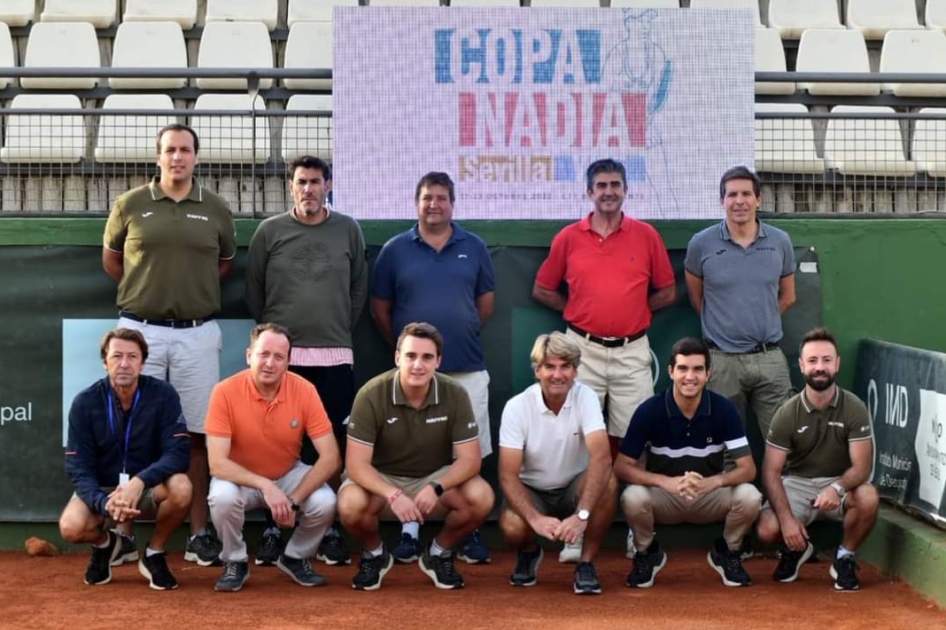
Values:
[(111, 423)]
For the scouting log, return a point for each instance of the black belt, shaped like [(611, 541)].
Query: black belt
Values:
[(608, 342), (762, 347), (167, 323)]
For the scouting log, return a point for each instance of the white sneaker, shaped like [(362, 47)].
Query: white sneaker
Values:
[(631, 549), (570, 553)]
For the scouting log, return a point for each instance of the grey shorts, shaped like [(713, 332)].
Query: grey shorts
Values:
[(801, 491), (146, 504), (559, 502)]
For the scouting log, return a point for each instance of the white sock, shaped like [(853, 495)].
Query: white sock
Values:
[(376, 553), (435, 549), (843, 552), (152, 552), (412, 529)]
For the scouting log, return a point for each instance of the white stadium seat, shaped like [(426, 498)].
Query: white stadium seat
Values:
[(100, 13), (874, 18), (184, 12), (239, 45), (61, 44), (785, 145), (929, 143), (752, 5), (7, 53), (264, 11), (309, 45), (148, 45), (791, 17), (128, 137), (17, 12), (314, 10), (307, 135), (229, 139), (834, 50), (43, 138), (936, 14), (645, 4), (914, 51), (862, 146), (770, 57)]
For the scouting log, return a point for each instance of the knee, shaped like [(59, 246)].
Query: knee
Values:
[(478, 497), (351, 504), (320, 504), (866, 499), (747, 499), (768, 529), (180, 491), (224, 496), (635, 500), (513, 526), (71, 529)]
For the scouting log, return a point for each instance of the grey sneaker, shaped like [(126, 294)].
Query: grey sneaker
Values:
[(128, 551), (300, 571), (235, 575), (99, 570), (527, 566), (586, 579)]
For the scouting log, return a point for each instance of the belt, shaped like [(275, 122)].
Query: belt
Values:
[(608, 342), (762, 347), (167, 323)]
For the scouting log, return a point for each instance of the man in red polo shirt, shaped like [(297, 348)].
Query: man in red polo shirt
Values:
[(618, 273)]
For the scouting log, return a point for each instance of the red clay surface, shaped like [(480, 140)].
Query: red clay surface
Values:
[(688, 595)]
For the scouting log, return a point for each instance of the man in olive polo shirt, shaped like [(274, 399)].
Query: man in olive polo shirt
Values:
[(168, 244), (413, 453), (824, 436)]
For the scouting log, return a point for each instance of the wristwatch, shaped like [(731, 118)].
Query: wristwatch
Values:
[(839, 489), (438, 489), (583, 515)]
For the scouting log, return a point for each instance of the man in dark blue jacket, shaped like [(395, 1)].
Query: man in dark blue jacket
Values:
[(127, 456)]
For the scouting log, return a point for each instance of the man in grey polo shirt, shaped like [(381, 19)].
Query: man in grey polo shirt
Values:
[(818, 461), (740, 276)]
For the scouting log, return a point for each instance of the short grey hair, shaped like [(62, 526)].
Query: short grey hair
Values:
[(556, 344)]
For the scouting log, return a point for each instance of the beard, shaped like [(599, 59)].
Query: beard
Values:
[(820, 381)]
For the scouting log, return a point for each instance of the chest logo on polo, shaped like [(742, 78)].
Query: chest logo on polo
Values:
[(146, 215), (472, 425), (436, 419), (461, 256), (391, 420), (802, 430), (836, 424), (294, 423), (199, 217)]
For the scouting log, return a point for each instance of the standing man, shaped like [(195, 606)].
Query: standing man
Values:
[(555, 465), (618, 273), (168, 244), (126, 455), (254, 436), (437, 272), (740, 276), (306, 271), (685, 432), (413, 453), (818, 460)]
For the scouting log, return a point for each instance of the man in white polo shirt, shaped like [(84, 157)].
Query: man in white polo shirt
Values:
[(555, 465)]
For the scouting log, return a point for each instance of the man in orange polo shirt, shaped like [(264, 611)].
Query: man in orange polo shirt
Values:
[(254, 429)]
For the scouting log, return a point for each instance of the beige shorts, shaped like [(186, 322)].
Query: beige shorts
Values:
[(408, 485), (146, 504)]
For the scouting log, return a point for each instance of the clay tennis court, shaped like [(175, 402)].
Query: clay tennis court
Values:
[(49, 593)]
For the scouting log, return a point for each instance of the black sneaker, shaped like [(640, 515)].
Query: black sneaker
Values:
[(789, 563), (269, 550), (407, 549), (332, 549), (728, 564), (300, 571), (128, 551), (586, 579), (235, 575), (203, 550), (527, 565), (473, 551), (440, 569), (646, 566), (155, 568), (371, 570), (99, 570), (844, 572)]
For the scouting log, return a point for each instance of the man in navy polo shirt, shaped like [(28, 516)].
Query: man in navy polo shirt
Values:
[(437, 272), (686, 430)]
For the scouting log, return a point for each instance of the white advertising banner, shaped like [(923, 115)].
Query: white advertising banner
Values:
[(515, 103)]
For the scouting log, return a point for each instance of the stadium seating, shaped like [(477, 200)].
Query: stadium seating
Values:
[(404, 3), (314, 10), (184, 12), (791, 17), (834, 50), (43, 138), (936, 14), (127, 137), (148, 45), (929, 143), (752, 5), (862, 146), (914, 51), (100, 13), (234, 45), (17, 12), (309, 45), (511, 4), (229, 139), (874, 18), (264, 11), (7, 53), (646, 4), (566, 3), (310, 135), (785, 145), (770, 57), (61, 44)]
